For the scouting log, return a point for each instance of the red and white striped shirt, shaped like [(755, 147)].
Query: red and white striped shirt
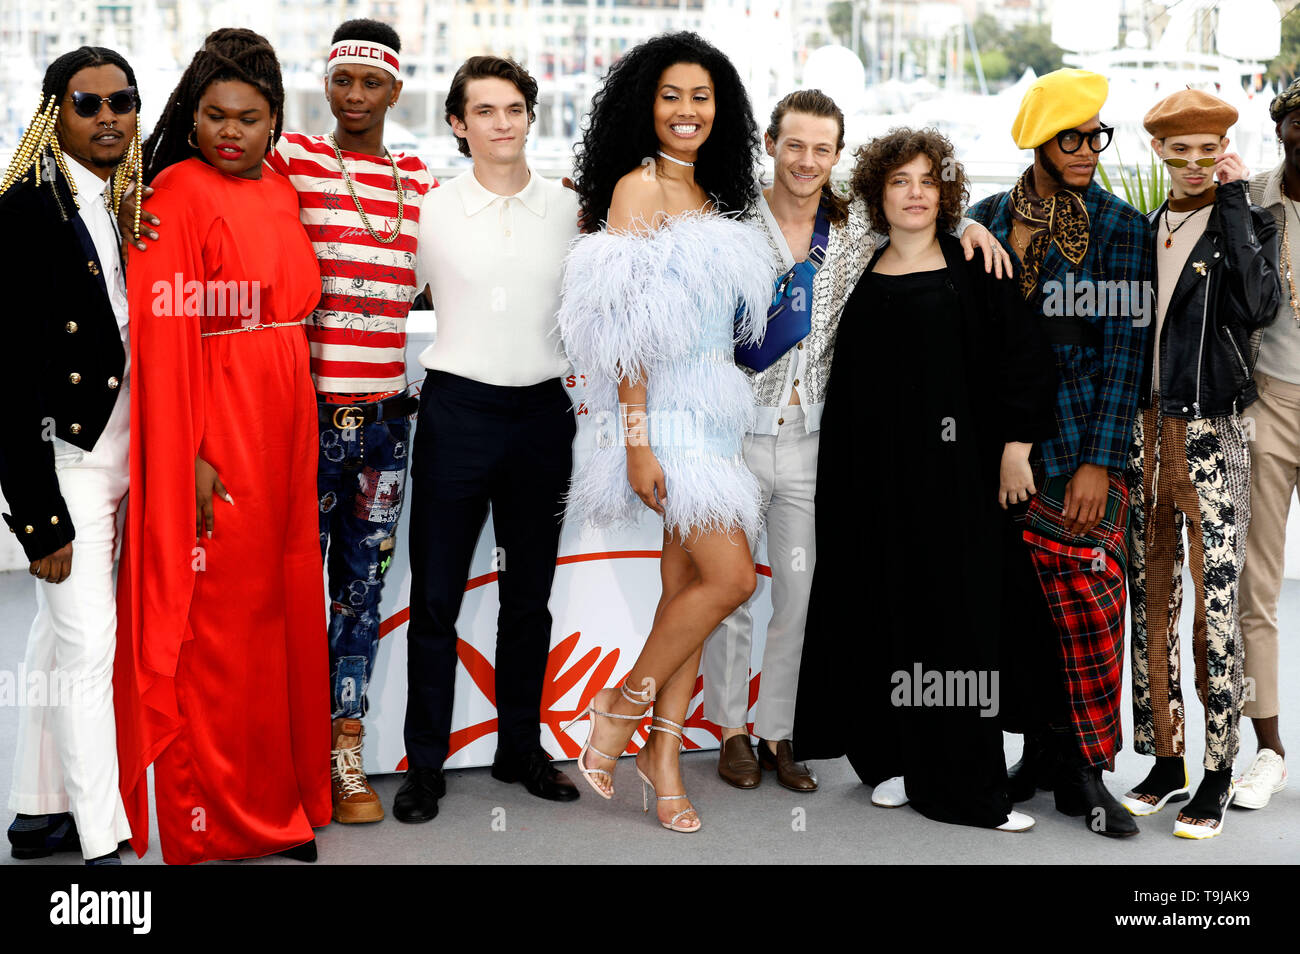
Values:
[(358, 331)]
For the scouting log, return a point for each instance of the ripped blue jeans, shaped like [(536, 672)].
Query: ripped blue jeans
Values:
[(361, 479)]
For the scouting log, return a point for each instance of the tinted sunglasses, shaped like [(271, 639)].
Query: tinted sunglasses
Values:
[(1178, 163), (1098, 139), (88, 104)]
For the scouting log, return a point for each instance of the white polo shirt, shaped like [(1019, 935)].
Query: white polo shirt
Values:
[(493, 264)]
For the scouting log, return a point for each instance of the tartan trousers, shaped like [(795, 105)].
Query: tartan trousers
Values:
[(1195, 472), (1083, 582)]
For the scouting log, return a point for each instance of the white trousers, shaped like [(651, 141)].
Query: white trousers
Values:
[(67, 741), (786, 468)]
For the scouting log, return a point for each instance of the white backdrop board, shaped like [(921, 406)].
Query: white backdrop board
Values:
[(604, 597)]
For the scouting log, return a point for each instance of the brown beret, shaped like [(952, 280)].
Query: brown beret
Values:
[(1189, 112)]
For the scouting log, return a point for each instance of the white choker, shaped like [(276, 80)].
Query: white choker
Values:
[(680, 162)]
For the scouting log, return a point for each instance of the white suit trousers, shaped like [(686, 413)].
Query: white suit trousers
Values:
[(66, 759)]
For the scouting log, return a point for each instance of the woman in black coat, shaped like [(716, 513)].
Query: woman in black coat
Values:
[(941, 383)]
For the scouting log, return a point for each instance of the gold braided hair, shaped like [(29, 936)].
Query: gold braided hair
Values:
[(129, 170), (40, 135)]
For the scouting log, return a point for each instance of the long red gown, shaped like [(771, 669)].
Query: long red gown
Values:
[(221, 677)]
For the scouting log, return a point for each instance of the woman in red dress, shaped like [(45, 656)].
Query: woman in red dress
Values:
[(221, 677)]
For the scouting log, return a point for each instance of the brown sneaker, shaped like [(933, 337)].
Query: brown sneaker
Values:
[(354, 800)]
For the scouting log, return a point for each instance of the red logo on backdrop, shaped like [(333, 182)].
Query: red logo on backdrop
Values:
[(596, 665)]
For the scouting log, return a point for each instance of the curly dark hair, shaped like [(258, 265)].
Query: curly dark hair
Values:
[(229, 53), (884, 154), (620, 132)]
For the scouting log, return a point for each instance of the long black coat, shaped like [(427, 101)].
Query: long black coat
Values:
[(908, 557)]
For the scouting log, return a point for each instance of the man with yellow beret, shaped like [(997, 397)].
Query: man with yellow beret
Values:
[(1085, 260), (1216, 285)]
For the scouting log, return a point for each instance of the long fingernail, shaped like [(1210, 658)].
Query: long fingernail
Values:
[(230, 500), (209, 534)]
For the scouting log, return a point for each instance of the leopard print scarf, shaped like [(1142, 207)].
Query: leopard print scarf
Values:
[(1061, 218)]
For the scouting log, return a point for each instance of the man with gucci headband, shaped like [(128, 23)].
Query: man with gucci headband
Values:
[(1216, 283), (1085, 264), (361, 207), (64, 459), (1274, 462)]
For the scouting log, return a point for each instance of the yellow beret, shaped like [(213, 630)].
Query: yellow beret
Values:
[(1056, 101), (1187, 112)]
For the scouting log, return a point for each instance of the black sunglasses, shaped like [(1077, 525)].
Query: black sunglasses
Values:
[(121, 102), (1098, 139)]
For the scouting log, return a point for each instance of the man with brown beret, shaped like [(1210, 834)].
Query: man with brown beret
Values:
[(1216, 285)]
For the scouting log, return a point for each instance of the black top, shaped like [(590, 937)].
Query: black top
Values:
[(908, 569)]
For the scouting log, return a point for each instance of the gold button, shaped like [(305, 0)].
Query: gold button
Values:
[(54, 521), (796, 382), (113, 383), (29, 529), (799, 346), (71, 327), (74, 377), (94, 269), (75, 428), (780, 420)]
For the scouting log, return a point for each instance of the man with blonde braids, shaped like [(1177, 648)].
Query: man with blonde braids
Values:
[(1086, 267), (63, 465)]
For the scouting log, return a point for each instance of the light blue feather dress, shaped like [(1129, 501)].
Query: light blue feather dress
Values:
[(661, 306)]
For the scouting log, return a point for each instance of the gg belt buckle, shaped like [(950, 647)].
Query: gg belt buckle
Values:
[(351, 418)]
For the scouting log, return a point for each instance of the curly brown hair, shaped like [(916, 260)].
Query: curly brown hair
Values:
[(884, 154)]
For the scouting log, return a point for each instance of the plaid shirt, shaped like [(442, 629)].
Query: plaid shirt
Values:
[(1096, 399)]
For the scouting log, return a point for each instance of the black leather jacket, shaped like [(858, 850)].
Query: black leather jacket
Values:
[(1228, 288)]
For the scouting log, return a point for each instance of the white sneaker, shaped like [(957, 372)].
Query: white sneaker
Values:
[(890, 793), (1016, 821), (1265, 777)]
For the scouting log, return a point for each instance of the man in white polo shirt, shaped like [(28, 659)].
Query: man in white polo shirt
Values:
[(495, 429)]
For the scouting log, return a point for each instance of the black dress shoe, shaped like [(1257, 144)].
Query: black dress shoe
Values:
[(303, 852), (112, 858), (59, 833), (417, 799), (1079, 791), (536, 772)]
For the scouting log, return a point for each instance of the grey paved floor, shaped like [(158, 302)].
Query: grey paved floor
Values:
[(770, 824)]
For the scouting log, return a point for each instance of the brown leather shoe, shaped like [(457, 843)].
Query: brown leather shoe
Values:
[(736, 763), (791, 774), (354, 800)]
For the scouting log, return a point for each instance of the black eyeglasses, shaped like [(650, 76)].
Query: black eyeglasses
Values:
[(1098, 139), (121, 102)]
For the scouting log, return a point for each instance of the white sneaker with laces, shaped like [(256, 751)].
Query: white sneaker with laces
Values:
[(1265, 778), (891, 793)]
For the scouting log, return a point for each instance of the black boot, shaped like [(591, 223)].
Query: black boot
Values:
[(1036, 769), (1080, 792)]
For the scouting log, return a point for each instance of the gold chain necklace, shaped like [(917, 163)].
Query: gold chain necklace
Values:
[(397, 184), (1286, 256)]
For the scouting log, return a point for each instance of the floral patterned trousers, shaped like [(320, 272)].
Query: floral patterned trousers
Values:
[(1193, 472)]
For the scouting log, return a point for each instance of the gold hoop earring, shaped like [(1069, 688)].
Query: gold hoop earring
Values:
[(190, 138)]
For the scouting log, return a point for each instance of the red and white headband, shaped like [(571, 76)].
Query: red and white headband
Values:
[(364, 52)]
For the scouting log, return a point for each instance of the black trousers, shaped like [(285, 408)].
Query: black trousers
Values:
[(478, 445)]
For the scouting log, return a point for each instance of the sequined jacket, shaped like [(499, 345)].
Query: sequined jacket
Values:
[(848, 250)]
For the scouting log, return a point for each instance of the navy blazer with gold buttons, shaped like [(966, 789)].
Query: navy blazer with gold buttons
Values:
[(66, 357)]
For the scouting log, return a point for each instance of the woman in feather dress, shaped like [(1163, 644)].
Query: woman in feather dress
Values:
[(650, 316)]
